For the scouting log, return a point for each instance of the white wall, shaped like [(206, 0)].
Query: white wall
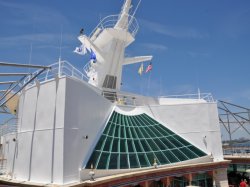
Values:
[(197, 123), (9, 148), (86, 113), (39, 145)]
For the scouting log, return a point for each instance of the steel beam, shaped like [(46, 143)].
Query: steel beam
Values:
[(23, 65), (8, 82), (13, 74)]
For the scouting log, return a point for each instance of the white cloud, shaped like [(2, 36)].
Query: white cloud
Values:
[(35, 39), (197, 54), (184, 89), (25, 14), (154, 46), (173, 31), (245, 94)]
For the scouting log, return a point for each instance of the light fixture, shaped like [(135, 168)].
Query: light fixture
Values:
[(92, 173), (155, 163)]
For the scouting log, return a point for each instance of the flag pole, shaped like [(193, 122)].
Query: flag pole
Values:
[(149, 79), (141, 86)]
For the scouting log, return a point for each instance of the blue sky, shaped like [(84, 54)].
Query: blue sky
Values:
[(195, 44)]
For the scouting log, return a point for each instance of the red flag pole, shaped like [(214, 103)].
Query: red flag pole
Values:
[(149, 80)]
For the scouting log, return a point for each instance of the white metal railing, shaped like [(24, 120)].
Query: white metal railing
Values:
[(3, 165), (205, 96), (121, 99), (9, 126), (136, 100), (61, 68), (110, 22), (237, 151)]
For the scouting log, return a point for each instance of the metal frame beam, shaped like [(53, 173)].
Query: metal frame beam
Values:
[(23, 65), (13, 74), (229, 117), (8, 82), (23, 86)]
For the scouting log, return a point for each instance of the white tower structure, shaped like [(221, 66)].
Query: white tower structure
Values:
[(108, 42)]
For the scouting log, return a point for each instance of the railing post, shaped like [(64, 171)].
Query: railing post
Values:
[(59, 68)]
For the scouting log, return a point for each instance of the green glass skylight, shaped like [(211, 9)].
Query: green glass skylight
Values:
[(135, 141)]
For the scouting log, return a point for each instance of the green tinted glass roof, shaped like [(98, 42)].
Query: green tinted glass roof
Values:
[(135, 141)]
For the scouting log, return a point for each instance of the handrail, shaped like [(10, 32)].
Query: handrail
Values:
[(205, 96), (61, 68), (110, 22), (9, 126), (236, 150)]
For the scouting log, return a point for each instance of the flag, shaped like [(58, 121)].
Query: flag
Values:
[(140, 70), (80, 50), (149, 68), (92, 55)]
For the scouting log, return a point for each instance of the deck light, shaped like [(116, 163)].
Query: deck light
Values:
[(155, 163), (92, 173)]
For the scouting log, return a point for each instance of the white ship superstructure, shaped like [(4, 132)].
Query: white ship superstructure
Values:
[(71, 123)]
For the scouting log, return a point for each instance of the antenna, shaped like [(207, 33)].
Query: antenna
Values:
[(60, 49), (199, 94), (30, 57), (132, 16), (60, 53), (136, 8)]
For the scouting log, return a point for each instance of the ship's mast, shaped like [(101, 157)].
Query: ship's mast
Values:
[(108, 42)]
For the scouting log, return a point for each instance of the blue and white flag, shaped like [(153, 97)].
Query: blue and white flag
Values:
[(80, 50), (92, 55)]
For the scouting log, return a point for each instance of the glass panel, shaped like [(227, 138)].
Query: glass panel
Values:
[(119, 121), (156, 132), (144, 132), (113, 161), (145, 146), (137, 146), (167, 143), (167, 131), (130, 146), (170, 156), (161, 158), (122, 145), (107, 144), (196, 150), (115, 145), (128, 133), (179, 154), (100, 142), (93, 159), (188, 153), (152, 145), (133, 161), (123, 161), (123, 132), (151, 158), (182, 141), (133, 133), (164, 133), (111, 130), (112, 118), (139, 134), (103, 161), (160, 144), (117, 131), (143, 160), (173, 141), (149, 131), (107, 128)]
